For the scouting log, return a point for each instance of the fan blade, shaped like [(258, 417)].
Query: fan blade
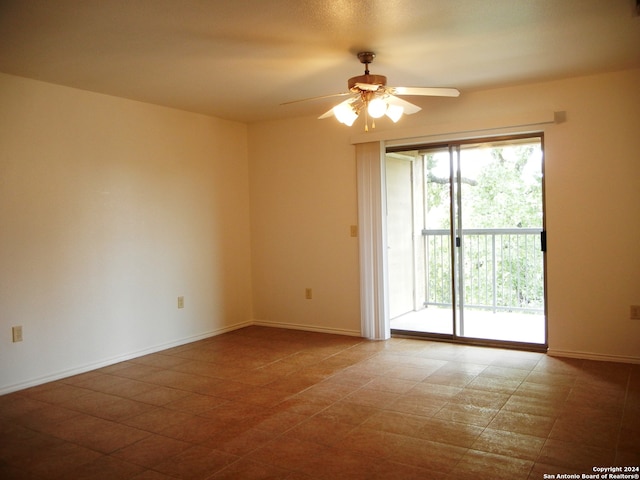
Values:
[(408, 107), (317, 98), (425, 91), (326, 114), (329, 113)]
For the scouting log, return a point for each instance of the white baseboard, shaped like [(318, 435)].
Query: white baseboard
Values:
[(337, 331), (120, 358), (307, 328), (593, 356)]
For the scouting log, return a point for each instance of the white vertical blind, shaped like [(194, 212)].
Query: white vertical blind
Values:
[(373, 250)]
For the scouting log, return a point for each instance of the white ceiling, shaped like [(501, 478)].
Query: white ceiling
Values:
[(240, 59)]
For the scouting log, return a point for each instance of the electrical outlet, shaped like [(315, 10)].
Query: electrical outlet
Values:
[(180, 302), (635, 312), (308, 293), (17, 333), (354, 230)]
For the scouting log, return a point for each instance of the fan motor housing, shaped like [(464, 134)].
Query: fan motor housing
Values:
[(369, 79)]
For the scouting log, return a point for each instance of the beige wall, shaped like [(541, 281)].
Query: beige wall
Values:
[(593, 214), (303, 195), (110, 209), (303, 202)]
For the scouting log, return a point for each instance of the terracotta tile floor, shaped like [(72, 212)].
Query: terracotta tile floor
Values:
[(263, 403)]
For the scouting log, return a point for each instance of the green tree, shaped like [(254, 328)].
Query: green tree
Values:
[(508, 189), (501, 188)]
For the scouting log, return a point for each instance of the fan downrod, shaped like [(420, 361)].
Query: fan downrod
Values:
[(366, 58), (380, 80)]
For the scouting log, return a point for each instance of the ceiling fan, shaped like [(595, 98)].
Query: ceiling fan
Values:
[(369, 94)]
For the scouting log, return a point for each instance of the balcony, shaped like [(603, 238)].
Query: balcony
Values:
[(501, 285)]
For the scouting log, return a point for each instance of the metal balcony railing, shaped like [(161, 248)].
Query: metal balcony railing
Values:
[(502, 269)]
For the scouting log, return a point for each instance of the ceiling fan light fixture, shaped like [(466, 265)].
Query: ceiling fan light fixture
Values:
[(394, 112), (345, 114), (377, 107), (370, 95)]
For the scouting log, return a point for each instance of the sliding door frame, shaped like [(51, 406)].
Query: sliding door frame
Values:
[(457, 299)]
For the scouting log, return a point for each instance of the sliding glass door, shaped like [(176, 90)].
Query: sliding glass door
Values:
[(465, 232)]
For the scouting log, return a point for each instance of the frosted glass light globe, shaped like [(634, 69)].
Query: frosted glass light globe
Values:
[(394, 112), (377, 107), (345, 114)]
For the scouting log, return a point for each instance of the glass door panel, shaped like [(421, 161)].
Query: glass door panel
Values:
[(419, 193), (501, 218), (437, 243), (464, 228)]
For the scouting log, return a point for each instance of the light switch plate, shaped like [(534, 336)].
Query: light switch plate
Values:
[(16, 333)]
